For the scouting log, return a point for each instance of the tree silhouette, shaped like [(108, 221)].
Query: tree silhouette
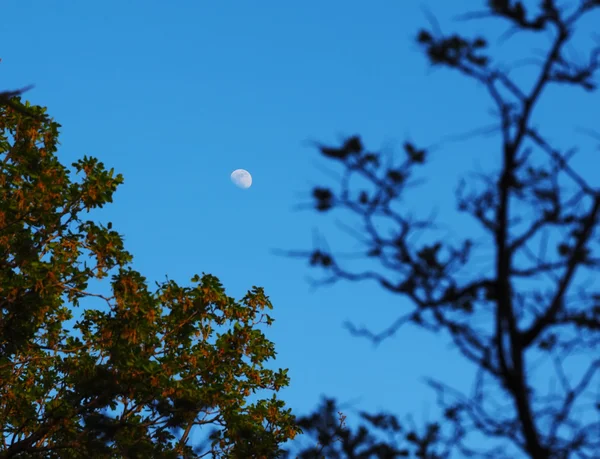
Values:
[(380, 435), (539, 216), (131, 379)]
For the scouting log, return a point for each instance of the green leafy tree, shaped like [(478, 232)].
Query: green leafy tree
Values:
[(540, 219), (133, 378)]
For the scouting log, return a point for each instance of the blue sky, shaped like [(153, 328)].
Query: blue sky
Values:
[(176, 95)]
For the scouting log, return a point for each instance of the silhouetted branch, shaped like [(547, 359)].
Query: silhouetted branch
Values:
[(6, 98), (526, 209)]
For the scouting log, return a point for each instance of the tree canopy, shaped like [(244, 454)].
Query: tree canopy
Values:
[(131, 378)]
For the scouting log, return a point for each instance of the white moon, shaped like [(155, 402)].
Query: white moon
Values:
[(241, 178)]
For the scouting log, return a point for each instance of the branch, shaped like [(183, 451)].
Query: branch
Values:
[(6, 99), (5, 96), (529, 336), (560, 160)]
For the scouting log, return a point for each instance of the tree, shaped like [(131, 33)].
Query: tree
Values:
[(540, 217), (336, 441), (133, 378)]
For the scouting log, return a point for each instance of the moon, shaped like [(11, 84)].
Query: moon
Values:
[(241, 178)]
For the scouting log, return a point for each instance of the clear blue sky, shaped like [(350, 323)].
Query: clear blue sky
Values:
[(176, 95)]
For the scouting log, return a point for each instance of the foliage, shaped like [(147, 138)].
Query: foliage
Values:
[(540, 218), (380, 435), (133, 378)]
